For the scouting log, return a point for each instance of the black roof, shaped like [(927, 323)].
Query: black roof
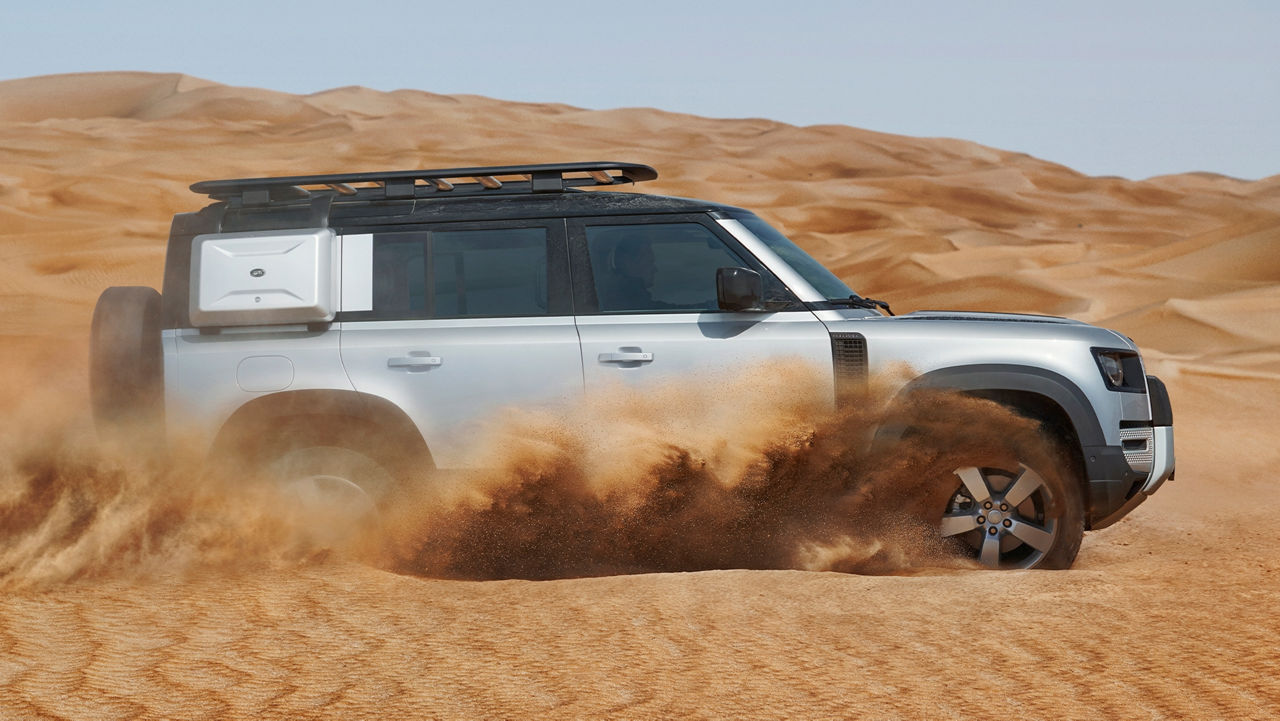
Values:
[(416, 196)]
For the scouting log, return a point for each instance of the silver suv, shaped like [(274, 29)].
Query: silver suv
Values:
[(332, 310)]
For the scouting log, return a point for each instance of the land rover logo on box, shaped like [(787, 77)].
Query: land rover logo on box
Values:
[(257, 272)]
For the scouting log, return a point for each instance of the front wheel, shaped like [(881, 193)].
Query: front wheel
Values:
[(1014, 517)]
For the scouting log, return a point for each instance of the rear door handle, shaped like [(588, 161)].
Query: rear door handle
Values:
[(626, 357), (416, 362)]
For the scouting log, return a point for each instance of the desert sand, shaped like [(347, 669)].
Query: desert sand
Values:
[(128, 591)]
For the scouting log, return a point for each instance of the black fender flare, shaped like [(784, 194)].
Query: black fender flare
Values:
[(1027, 379)]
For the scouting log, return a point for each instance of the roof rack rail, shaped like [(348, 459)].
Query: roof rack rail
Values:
[(397, 184)]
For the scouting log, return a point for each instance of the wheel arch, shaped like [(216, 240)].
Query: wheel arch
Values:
[(248, 432), (1033, 392), (1030, 390)]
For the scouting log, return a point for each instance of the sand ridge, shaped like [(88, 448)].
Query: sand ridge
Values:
[(1170, 614)]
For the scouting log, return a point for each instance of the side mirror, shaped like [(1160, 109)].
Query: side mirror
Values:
[(738, 289)]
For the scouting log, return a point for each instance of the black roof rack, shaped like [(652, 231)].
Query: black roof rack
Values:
[(397, 184)]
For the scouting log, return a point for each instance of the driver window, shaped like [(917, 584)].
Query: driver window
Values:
[(657, 267)]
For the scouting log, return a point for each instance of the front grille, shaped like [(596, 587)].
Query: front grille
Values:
[(849, 358)]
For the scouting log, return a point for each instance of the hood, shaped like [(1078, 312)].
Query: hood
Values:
[(963, 315)]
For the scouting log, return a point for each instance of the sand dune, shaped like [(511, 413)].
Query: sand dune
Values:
[(1170, 614)]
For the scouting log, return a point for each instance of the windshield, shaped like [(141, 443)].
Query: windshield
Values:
[(822, 280)]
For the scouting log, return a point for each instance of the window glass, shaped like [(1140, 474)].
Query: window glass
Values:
[(462, 273), (489, 272), (665, 267), (399, 277)]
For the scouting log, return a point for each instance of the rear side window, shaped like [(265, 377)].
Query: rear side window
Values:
[(459, 274)]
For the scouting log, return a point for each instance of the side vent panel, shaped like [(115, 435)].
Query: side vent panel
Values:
[(849, 358)]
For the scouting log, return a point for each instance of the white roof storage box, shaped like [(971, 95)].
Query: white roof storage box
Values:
[(263, 278)]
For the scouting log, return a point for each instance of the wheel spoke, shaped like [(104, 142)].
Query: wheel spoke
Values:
[(1028, 482), (1032, 535), (974, 482), (959, 523), (990, 556)]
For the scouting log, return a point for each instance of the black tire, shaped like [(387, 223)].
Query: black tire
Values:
[(1007, 515), (333, 474), (126, 362)]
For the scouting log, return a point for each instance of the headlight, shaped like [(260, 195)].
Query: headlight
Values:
[(1111, 368), (1121, 369)]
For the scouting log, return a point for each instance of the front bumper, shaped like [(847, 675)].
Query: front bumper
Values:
[(1163, 461), (1141, 465), (1162, 468)]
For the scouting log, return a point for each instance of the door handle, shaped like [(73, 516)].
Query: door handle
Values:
[(416, 362), (626, 357)]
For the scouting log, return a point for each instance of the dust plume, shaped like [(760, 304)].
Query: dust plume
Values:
[(757, 471), (73, 509), (76, 507)]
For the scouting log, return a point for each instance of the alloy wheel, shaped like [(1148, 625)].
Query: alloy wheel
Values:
[(1002, 517)]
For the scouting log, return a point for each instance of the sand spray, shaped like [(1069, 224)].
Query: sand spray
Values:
[(757, 470)]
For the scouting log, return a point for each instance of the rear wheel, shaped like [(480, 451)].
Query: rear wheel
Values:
[(335, 491), (335, 475), (1012, 517)]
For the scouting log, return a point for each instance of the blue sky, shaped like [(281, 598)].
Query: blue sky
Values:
[(1109, 88)]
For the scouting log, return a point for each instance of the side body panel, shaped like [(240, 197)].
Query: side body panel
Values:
[(210, 375), (454, 376), (695, 347)]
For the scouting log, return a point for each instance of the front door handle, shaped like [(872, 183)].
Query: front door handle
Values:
[(626, 357), (416, 362)]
